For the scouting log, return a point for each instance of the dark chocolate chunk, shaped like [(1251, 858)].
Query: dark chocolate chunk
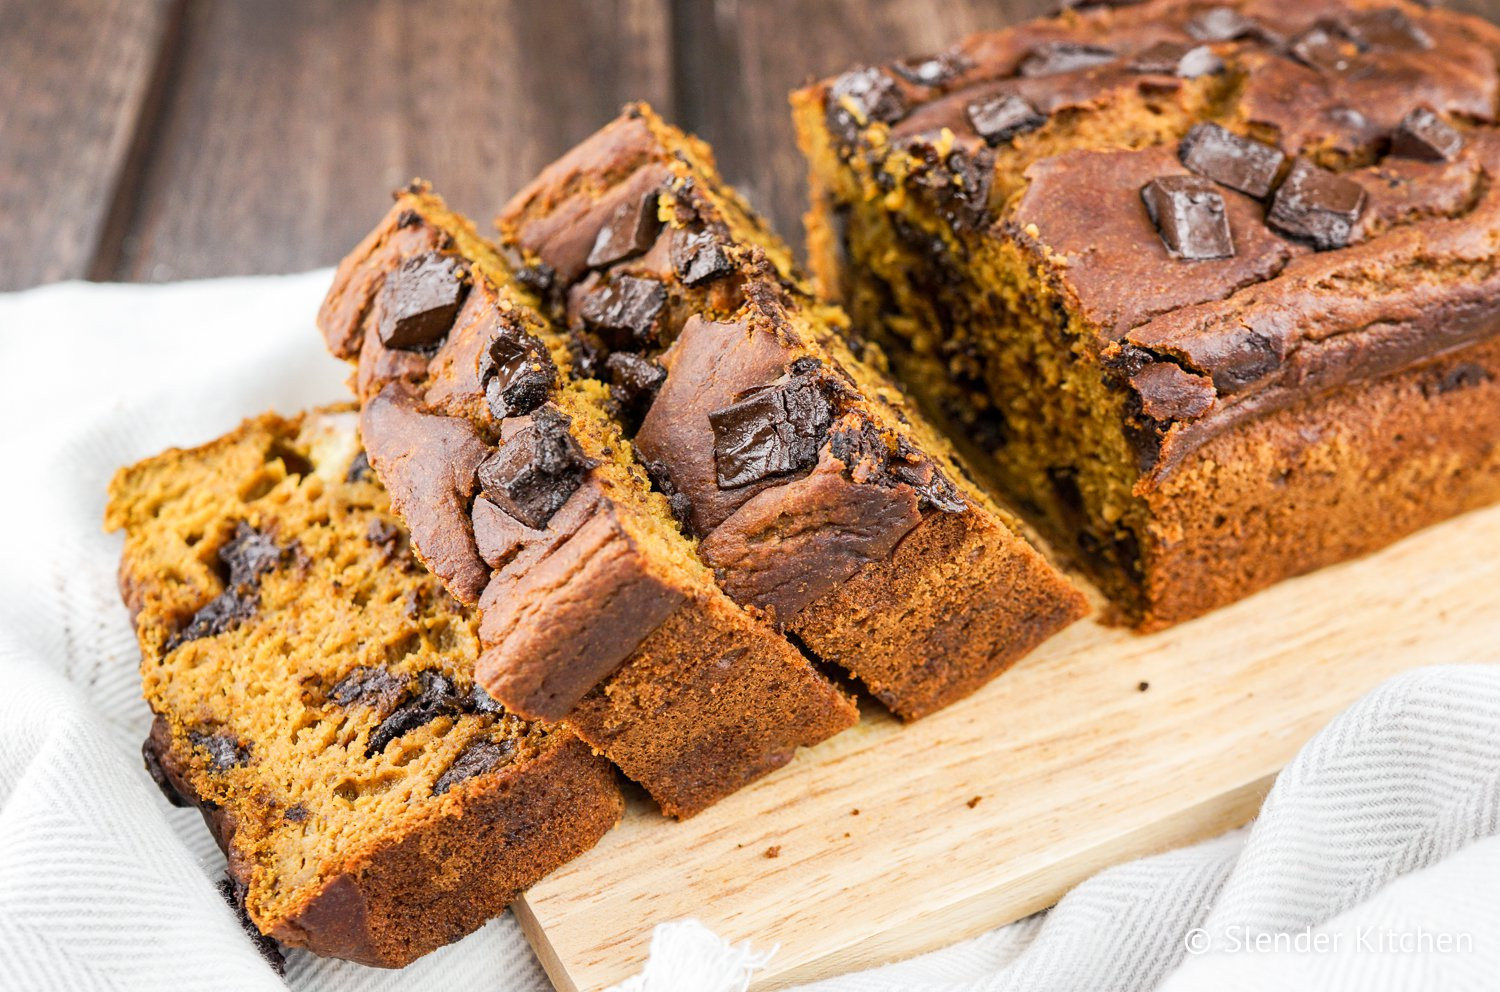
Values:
[(369, 686), (224, 750), (437, 695), (295, 813), (249, 555), (1226, 24), (1325, 47), (630, 230), (408, 218), (1317, 206), (517, 373), (480, 757), (774, 429), (151, 758), (1056, 57), (860, 97), (1000, 118), (1464, 375), (697, 257), (420, 300), (1240, 163), (224, 612), (1387, 28), (633, 383), (244, 559), (386, 536), (233, 892), (624, 312), (1170, 58), (534, 472), (482, 702), (359, 468), (932, 71), (1189, 214), (680, 503), (1424, 135)]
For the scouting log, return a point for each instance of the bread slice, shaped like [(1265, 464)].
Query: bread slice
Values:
[(314, 696), (525, 498), (819, 494)]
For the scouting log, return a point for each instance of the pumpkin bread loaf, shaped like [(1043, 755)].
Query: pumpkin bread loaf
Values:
[(1212, 289), (314, 698), (816, 493), (525, 498)]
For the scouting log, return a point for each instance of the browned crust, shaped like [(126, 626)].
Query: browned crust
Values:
[(1331, 478)]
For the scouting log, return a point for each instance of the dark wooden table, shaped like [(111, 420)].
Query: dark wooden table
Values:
[(149, 140)]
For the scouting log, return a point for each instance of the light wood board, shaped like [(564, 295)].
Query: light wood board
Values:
[(1074, 767)]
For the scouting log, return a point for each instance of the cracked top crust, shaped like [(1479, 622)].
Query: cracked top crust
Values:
[(1042, 137)]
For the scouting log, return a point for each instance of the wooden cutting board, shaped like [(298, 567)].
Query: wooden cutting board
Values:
[(1101, 746)]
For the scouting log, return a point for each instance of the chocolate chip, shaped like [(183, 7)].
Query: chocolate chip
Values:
[(385, 535), (1317, 206), (1000, 118), (1240, 163), (482, 702), (1226, 24), (295, 813), (1056, 57), (697, 257), (224, 750), (516, 372), (249, 555), (359, 468), (1325, 47), (774, 429), (369, 686), (534, 472), (1170, 58), (408, 218), (932, 71), (630, 230), (1387, 28), (480, 757), (437, 696), (624, 312), (420, 300), (1424, 135), (151, 758), (1189, 214), (233, 892), (860, 97), (634, 382)]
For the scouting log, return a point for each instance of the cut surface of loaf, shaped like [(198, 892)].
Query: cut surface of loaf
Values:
[(816, 493), (525, 498), (314, 694), (1209, 288)]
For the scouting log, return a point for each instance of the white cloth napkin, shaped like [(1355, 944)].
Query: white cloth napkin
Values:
[(1376, 828)]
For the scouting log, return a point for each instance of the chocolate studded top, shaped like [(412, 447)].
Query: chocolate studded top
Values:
[(1327, 140)]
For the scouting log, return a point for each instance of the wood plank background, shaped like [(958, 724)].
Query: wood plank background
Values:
[(150, 140)]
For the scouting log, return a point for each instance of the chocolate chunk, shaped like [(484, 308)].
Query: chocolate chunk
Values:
[(697, 257), (233, 892), (534, 472), (964, 198), (1325, 47), (860, 97), (480, 757), (624, 312), (932, 71), (1317, 206), (482, 702), (1000, 118), (249, 555), (295, 813), (633, 383), (420, 300), (224, 612), (775, 429), (1169, 392), (1387, 28), (1424, 135), (151, 758), (517, 373), (1056, 57), (368, 686), (1189, 214), (386, 536), (1226, 24), (1240, 163), (224, 750), (244, 558), (359, 468), (1170, 58), (1464, 375), (437, 695), (630, 230)]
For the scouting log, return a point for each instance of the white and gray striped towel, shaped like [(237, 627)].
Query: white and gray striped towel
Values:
[(1374, 864)]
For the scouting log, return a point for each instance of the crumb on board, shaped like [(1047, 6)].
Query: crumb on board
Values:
[(1143, 687), (774, 851), (974, 802), (854, 812)]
